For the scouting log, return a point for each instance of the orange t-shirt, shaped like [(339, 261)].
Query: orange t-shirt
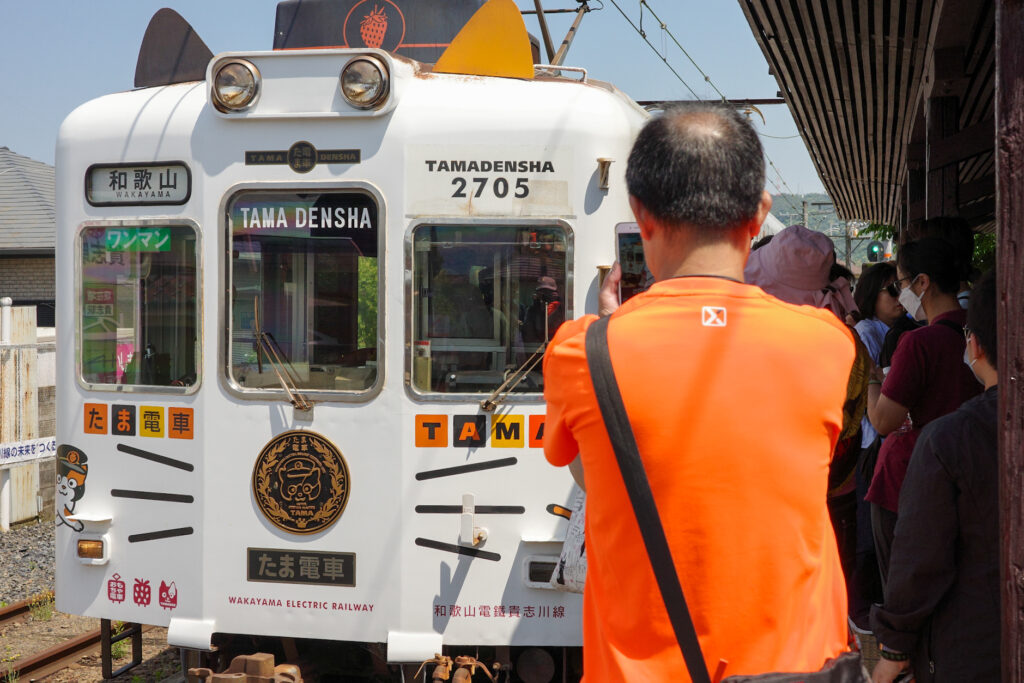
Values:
[(736, 402)]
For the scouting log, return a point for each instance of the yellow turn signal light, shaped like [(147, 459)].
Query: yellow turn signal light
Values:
[(89, 549)]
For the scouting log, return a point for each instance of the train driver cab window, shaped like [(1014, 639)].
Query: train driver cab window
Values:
[(138, 313), (304, 290), (485, 300)]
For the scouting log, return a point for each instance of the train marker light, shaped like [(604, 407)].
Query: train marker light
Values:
[(364, 82), (235, 86), (875, 251), (90, 549)]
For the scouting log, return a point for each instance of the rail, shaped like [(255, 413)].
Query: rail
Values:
[(61, 655)]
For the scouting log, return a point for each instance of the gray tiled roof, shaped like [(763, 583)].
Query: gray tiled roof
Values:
[(28, 218)]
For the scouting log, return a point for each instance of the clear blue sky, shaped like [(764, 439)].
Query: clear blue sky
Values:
[(57, 54)]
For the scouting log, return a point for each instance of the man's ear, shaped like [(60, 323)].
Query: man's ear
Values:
[(763, 207), (925, 281), (643, 217), (974, 349)]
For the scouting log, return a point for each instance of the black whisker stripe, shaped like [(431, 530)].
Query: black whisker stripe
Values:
[(458, 549), (152, 495), (463, 469), (157, 535), (162, 459), (479, 509)]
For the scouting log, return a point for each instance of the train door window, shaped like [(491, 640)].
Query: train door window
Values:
[(484, 300), (138, 311), (304, 290)]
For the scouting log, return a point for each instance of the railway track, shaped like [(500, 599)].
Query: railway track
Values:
[(46, 662), (16, 612)]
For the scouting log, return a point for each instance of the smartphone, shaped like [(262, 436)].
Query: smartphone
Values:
[(629, 251)]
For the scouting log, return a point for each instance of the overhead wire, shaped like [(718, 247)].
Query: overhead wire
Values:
[(643, 35), (707, 79)]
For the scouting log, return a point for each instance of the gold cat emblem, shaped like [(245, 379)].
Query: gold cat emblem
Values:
[(301, 482)]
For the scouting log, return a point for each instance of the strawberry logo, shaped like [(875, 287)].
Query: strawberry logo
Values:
[(373, 27), (378, 24)]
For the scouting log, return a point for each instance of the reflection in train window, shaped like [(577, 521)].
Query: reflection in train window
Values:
[(485, 299), (138, 312), (304, 290)]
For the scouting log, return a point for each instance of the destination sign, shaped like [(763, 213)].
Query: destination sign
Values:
[(138, 184), (348, 214)]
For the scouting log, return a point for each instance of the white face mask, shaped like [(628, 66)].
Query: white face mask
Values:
[(912, 302), (970, 363)]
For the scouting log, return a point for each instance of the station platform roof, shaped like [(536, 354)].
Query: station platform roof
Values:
[(894, 100)]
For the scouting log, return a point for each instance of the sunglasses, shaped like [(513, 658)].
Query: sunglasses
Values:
[(967, 333), (893, 289)]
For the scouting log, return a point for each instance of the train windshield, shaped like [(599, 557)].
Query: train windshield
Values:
[(485, 299), (139, 315), (304, 277)]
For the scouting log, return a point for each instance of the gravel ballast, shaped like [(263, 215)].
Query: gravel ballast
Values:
[(26, 561)]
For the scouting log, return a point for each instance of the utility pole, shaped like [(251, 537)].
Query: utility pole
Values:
[(807, 218), (1009, 100), (849, 246)]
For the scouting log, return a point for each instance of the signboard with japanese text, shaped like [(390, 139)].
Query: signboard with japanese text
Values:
[(99, 302), (138, 239), (26, 451), (136, 184), (301, 566)]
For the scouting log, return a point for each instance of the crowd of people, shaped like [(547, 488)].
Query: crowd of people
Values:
[(822, 454)]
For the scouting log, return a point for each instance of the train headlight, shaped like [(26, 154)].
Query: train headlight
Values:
[(235, 85), (364, 82)]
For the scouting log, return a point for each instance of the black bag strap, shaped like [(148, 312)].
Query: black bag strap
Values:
[(628, 456), (959, 329)]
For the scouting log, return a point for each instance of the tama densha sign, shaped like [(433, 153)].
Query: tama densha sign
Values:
[(138, 184)]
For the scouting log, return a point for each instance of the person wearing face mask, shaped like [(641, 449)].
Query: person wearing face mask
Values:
[(545, 314), (927, 378), (941, 614), (877, 298)]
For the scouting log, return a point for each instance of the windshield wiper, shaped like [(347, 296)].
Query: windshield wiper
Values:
[(494, 400), (275, 355)]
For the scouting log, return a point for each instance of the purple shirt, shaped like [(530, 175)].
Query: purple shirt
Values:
[(928, 376)]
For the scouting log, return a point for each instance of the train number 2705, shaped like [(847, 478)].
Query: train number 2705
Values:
[(499, 187)]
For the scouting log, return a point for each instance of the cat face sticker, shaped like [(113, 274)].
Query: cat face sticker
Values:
[(168, 595), (71, 472)]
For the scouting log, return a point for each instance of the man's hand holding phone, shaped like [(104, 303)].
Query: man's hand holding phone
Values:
[(608, 296)]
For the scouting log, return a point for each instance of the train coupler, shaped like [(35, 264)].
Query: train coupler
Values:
[(256, 668)]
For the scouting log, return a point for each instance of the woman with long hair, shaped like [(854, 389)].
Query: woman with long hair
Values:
[(927, 378)]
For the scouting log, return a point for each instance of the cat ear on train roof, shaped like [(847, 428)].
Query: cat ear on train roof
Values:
[(494, 42), (171, 52)]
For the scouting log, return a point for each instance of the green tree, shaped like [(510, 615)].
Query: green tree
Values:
[(984, 251), (367, 302), (984, 244), (879, 231)]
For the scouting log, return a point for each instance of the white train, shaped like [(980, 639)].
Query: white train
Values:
[(285, 292)]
